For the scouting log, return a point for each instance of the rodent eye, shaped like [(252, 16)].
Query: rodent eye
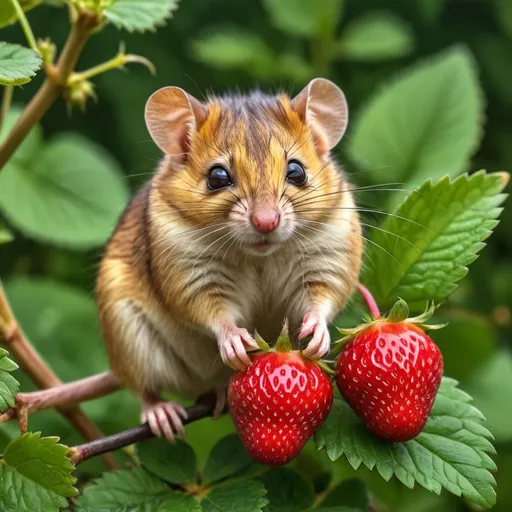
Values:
[(296, 173), (218, 178)]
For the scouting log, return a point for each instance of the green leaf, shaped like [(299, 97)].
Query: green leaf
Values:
[(122, 491), (8, 14), (436, 233), (69, 192), (242, 496), (17, 64), (140, 15), (375, 36), (451, 452), (491, 387), (304, 17), (180, 502), (426, 123), (287, 490), (175, 463), (227, 457), (20, 494), (9, 386), (230, 48), (42, 468), (351, 493)]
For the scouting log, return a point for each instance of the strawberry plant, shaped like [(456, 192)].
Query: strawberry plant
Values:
[(428, 87)]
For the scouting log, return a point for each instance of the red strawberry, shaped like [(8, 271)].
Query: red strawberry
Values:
[(277, 404), (389, 373)]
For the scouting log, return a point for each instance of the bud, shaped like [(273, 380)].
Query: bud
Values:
[(78, 93), (48, 51)]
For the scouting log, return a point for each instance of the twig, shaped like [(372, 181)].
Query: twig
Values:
[(52, 87), (373, 308), (83, 452), (32, 364), (64, 395), (25, 25)]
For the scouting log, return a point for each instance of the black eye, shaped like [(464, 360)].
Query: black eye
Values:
[(296, 173), (218, 178)]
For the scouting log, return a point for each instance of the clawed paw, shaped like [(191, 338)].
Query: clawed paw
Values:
[(314, 324), (165, 419), (233, 345)]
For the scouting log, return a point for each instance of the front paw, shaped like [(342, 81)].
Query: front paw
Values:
[(233, 345), (314, 324)]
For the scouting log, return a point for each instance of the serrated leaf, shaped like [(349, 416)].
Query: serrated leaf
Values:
[(451, 452), (424, 124), (175, 463), (69, 192), (227, 457), (20, 494), (304, 17), (242, 496), (351, 493), (18, 65), (179, 502), (375, 36), (43, 461), (120, 491), (140, 15), (8, 14), (287, 490), (9, 386), (438, 231)]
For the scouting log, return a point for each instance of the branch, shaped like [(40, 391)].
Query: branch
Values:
[(63, 395), (201, 409), (53, 85), (41, 375)]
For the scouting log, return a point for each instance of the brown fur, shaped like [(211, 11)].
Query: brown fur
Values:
[(152, 290)]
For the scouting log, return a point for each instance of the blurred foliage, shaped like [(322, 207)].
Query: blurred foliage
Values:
[(418, 77)]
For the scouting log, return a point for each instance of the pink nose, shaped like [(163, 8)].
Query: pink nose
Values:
[(265, 221)]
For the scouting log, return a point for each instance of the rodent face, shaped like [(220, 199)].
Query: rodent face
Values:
[(254, 173)]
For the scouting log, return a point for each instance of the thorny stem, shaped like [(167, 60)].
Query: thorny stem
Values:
[(6, 103), (79, 454), (52, 87), (367, 296), (43, 377), (25, 25)]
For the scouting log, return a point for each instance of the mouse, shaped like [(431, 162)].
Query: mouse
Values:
[(247, 221)]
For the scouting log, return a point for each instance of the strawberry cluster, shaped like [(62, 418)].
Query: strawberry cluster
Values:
[(389, 372)]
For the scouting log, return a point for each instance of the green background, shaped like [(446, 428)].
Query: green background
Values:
[(51, 287)]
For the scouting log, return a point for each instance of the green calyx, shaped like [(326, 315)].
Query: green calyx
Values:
[(398, 313), (284, 344)]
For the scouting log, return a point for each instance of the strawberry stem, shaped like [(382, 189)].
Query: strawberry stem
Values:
[(371, 304)]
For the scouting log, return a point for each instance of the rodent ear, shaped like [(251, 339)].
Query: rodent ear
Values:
[(172, 116), (323, 107)]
